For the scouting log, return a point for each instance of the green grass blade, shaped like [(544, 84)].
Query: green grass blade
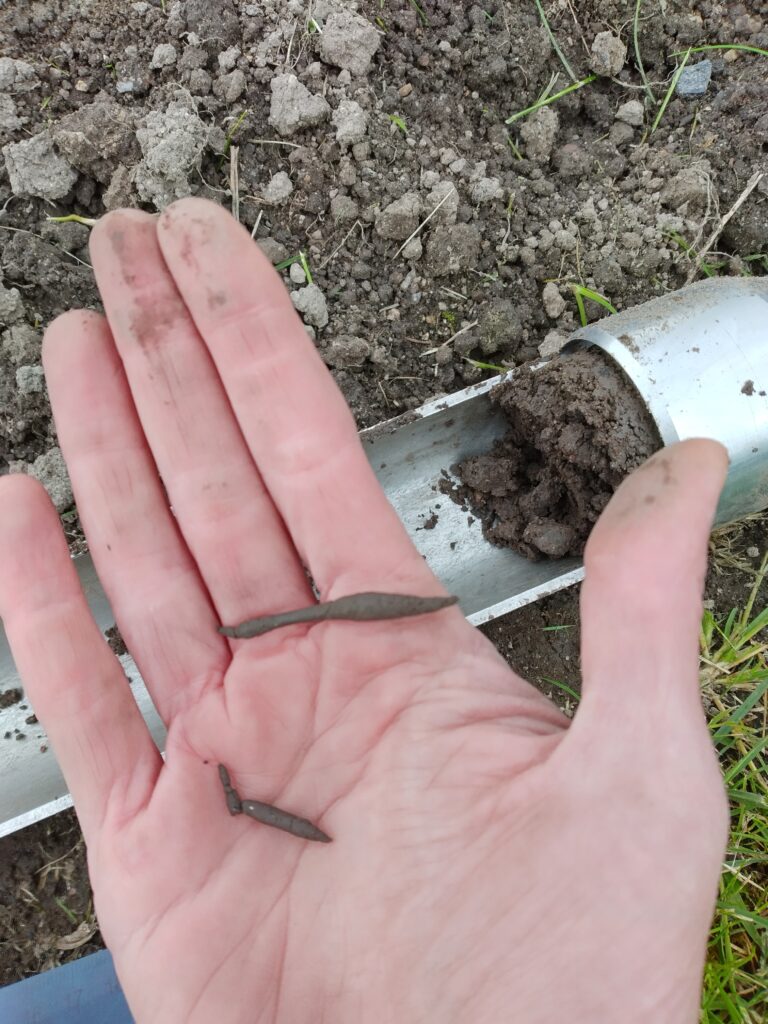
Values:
[(422, 15), (555, 45), (564, 687), (747, 799), (305, 266), (598, 298), (742, 763), (721, 46), (754, 698), (73, 218), (747, 916), (728, 627), (544, 102), (670, 92), (580, 293), (488, 366), (580, 306), (755, 626), (638, 58), (65, 909), (707, 630)]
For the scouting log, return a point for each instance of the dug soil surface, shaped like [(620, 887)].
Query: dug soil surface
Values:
[(577, 428), (343, 151)]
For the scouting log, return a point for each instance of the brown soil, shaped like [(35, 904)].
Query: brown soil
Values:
[(577, 428), (44, 896)]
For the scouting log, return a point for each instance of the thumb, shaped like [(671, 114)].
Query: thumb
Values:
[(641, 601)]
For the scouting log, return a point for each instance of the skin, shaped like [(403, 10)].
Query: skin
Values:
[(491, 860)]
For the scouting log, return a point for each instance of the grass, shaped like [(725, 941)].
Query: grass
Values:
[(555, 45), (231, 135), (545, 100), (301, 259), (670, 92), (638, 58), (760, 259), (580, 293), (420, 11), (65, 909), (487, 366), (398, 122), (735, 687), (712, 269), (707, 268), (721, 46), (72, 218), (576, 697)]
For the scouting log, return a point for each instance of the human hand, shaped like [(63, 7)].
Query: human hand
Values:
[(491, 860)]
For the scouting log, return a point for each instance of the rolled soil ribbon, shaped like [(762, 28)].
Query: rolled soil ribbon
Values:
[(369, 607)]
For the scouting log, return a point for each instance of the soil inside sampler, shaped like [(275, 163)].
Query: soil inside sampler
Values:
[(577, 428)]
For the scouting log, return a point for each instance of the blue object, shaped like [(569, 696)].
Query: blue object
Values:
[(694, 79), (84, 992)]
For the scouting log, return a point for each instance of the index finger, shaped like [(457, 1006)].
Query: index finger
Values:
[(292, 415)]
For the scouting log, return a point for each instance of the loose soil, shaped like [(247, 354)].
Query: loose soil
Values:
[(577, 428), (137, 103)]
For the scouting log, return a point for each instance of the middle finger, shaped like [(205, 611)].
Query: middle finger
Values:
[(225, 513)]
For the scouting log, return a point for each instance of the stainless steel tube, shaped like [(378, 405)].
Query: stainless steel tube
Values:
[(699, 358), (689, 355)]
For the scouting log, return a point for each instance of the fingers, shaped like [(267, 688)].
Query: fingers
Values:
[(293, 417), (153, 585), (225, 515), (76, 686), (641, 600)]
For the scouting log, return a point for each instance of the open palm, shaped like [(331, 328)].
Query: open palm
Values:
[(491, 861)]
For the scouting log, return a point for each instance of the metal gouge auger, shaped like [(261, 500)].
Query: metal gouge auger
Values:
[(699, 360)]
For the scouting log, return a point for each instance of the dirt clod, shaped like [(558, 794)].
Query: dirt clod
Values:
[(10, 697), (577, 427), (608, 54), (36, 169), (349, 41)]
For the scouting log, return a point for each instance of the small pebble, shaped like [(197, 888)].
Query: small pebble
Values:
[(694, 80), (632, 113), (296, 273), (413, 250)]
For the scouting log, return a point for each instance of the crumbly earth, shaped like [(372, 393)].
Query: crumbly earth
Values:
[(577, 428), (106, 103)]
